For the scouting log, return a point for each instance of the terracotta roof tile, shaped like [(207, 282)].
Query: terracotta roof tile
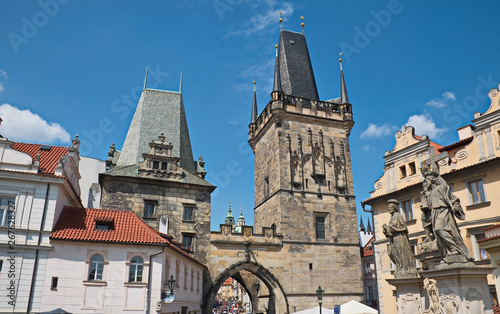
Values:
[(465, 141), (49, 158), (125, 227), (434, 145)]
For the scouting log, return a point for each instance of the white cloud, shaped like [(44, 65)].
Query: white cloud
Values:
[(367, 147), (443, 101), (23, 125), (4, 74), (1, 87), (424, 124), (374, 131), (262, 21)]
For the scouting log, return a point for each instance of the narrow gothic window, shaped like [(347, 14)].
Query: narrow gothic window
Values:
[(266, 187), (320, 227)]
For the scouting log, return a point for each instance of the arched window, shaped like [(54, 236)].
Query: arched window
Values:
[(136, 266), (96, 267)]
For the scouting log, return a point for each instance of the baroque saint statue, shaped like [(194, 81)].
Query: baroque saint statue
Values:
[(399, 248), (443, 207)]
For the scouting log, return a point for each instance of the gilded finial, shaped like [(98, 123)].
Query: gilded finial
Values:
[(254, 82), (302, 24), (281, 21), (340, 60), (276, 47)]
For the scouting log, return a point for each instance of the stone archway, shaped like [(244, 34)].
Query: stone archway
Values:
[(278, 302)]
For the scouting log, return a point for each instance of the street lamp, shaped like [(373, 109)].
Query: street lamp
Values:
[(168, 296), (319, 294), (171, 284)]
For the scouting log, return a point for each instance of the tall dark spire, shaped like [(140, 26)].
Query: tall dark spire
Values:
[(277, 76), (361, 224), (254, 105), (369, 228), (295, 68), (344, 99)]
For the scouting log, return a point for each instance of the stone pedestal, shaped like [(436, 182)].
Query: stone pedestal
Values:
[(410, 295), (462, 290)]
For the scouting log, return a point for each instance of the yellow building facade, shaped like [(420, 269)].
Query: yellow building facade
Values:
[(471, 167)]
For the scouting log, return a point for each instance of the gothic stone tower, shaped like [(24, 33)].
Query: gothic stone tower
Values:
[(303, 180), (156, 176)]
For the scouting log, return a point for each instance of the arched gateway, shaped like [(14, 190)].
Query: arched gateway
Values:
[(277, 301)]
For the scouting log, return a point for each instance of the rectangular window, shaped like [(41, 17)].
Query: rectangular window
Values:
[(480, 254), (402, 172), (476, 191), (156, 165), (164, 166), (187, 241), (7, 207), (406, 209), (1, 264), (53, 285), (320, 227), (188, 213), (413, 168), (149, 208), (368, 268), (370, 293)]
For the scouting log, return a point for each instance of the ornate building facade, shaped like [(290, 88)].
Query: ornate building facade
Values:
[(471, 168)]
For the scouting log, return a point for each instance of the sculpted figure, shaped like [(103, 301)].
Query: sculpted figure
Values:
[(433, 293), (399, 245), (444, 207), (426, 212)]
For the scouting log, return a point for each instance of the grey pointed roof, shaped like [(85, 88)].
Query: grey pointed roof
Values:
[(277, 75), (158, 112), (255, 114), (344, 99), (361, 224), (296, 73)]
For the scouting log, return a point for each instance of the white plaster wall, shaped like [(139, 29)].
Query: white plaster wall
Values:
[(89, 171), (67, 262)]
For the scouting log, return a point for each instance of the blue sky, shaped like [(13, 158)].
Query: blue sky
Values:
[(77, 67)]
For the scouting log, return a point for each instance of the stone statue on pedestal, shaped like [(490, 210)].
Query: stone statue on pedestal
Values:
[(399, 245), (444, 207)]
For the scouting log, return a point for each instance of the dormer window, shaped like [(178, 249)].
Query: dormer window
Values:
[(103, 225)]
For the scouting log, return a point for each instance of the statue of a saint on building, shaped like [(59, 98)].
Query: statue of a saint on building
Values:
[(399, 249), (444, 207)]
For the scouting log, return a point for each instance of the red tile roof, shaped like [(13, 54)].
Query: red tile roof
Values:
[(434, 145), (48, 158), (125, 227), (465, 141)]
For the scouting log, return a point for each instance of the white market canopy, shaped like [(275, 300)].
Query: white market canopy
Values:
[(315, 310), (354, 307)]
